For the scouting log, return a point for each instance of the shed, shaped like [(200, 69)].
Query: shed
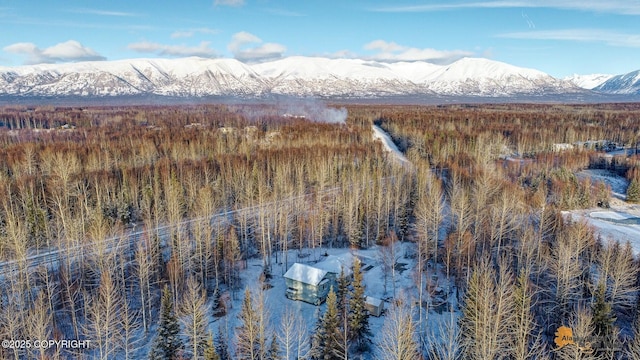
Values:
[(307, 283), (375, 306)]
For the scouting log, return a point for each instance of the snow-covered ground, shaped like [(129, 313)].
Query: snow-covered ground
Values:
[(618, 183), (277, 303), (619, 223), (389, 145)]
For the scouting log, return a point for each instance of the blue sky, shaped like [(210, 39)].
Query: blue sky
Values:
[(560, 37)]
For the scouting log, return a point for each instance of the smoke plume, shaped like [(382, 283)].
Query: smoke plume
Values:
[(305, 109), (313, 110)]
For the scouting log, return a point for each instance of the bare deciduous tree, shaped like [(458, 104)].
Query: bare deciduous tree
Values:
[(444, 342), (194, 318), (397, 337), (620, 272), (487, 312), (103, 312), (293, 335)]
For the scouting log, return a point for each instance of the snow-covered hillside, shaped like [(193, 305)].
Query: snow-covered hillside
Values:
[(628, 84), (588, 81), (294, 76), (471, 76), (183, 77)]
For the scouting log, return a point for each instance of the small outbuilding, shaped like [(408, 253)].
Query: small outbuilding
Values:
[(307, 283), (375, 306)]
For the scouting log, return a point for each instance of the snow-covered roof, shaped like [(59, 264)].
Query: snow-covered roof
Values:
[(336, 263), (373, 301), (305, 274)]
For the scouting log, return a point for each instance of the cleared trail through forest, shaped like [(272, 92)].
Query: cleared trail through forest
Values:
[(130, 238), (390, 146)]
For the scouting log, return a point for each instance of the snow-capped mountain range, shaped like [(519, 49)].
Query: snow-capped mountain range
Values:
[(292, 76), (625, 84), (588, 81)]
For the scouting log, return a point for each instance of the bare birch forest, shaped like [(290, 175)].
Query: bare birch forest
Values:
[(131, 227)]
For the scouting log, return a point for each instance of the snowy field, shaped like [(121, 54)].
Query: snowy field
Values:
[(619, 223), (440, 305)]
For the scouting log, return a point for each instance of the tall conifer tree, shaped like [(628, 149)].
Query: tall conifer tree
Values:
[(167, 343)]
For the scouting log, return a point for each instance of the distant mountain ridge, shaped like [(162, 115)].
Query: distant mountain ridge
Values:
[(590, 81), (292, 76), (625, 84)]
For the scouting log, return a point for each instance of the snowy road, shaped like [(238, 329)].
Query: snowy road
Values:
[(389, 145), (48, 258)]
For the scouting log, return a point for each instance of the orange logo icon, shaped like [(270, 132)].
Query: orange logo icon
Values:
[(564, 336)]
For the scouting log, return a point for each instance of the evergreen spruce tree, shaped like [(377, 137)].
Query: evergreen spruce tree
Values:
[(274, 349), (359, 332), (342, 292), (222, 344), (217, 305), (167, 343), (319, 337), (327, 342), (603, 317), (633, 191), (210, 352)]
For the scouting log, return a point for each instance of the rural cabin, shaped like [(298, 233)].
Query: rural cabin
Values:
[(312, 283), (307, 283)]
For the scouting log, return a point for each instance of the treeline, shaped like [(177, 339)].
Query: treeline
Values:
[(475, 133), (521, 139)]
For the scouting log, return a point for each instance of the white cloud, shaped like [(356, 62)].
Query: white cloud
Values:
[(239, 47), (391, 51), (242, 38), (202, 50), (282, 12), (608, 37), (63, 52), (182, 34), (384, 46), (21, 48), (229, 2), (191, 32), (341, 54), (628, 7), (103, 12)]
